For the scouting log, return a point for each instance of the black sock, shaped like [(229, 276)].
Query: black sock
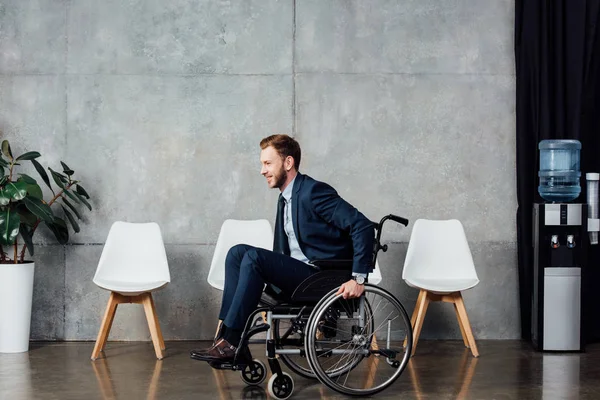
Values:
[(233, 336)]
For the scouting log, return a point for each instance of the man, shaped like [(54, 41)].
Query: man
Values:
[(313, 223)]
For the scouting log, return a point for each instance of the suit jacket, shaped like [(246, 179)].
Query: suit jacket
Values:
[(327, 227)]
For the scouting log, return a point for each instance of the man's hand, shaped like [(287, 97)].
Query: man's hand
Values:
[(351, 289)]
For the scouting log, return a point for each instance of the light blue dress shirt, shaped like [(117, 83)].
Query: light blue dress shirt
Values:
[(288, 226)]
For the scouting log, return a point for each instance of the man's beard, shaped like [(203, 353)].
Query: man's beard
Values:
[(280, 178)]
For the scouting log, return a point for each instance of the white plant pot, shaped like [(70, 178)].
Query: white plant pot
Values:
[(16, 294)]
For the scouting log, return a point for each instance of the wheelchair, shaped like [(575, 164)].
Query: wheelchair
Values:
[(357, 347)]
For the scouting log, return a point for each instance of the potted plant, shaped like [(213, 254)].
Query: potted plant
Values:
[(22, 210)]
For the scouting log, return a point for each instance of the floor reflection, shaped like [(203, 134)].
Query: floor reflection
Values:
[(560, 376), (15, 376), (107, 384), (461, 373)]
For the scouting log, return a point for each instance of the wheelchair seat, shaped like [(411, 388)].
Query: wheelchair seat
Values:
[(332, 274)]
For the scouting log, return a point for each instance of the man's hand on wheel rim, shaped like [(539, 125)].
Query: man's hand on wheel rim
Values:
[(351, 289)]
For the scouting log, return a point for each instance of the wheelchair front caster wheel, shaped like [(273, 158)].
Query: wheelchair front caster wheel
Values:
[(254, 373), (281, 386)]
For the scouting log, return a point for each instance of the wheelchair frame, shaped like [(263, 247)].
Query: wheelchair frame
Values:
[(313, 298)]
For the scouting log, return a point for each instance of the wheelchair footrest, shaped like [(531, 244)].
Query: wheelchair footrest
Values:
[(387, 353), (227, 365)]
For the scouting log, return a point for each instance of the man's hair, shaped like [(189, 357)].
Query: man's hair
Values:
[(285, 146)]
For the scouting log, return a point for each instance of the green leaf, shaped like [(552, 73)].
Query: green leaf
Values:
[(16, 190), (72, 207), (4, 197), (29, 156), (71, 219), (27, 236), (6, 149), (82, 191), (27, 216), (72, 196), (66, 169), (39, 208), (27, 179), (3, 180), (9, 226), (1, 170), (83, 200), (56, 177), (35, 191), (42, 173), (3, 162), (59, 228)]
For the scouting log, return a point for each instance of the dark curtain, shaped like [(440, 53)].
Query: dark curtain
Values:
[(557, 56)]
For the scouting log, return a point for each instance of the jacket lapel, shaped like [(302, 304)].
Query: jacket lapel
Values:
[(296, 206)]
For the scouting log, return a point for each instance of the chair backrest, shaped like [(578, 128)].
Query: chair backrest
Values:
[(438, 250), (375, 276), (257, 233), (133, 252)]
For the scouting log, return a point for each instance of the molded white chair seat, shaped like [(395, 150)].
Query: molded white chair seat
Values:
[(375, 276), (257, 233), (439, 263), (129, 288), (132, 265), (442, 285)]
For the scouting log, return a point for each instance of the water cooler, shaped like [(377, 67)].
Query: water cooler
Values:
[(561, 238)]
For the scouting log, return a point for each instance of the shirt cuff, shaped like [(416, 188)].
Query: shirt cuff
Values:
[(359, 274)]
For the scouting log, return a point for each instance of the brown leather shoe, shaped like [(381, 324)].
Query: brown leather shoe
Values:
[(197, 352), (205, 350), (221, 351)]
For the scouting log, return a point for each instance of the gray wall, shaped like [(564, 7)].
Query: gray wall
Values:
[(404, 106)]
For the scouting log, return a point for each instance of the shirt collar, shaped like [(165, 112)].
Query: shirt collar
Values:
[(287, 192)]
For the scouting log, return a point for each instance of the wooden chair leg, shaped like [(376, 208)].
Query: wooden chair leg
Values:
[(422, 310), (218, 328), (413, 318), (161, 340), (460, 324), (374, 344), (464, 319), (152, 324), (107, 321)]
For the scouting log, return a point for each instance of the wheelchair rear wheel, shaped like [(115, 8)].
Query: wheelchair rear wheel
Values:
[(374, 330)]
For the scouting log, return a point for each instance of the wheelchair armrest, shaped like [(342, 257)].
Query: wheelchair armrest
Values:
[(326, 265)]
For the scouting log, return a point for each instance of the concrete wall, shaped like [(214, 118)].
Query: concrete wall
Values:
[(405, 107)]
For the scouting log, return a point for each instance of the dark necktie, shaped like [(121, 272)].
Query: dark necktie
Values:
[(282, 237)]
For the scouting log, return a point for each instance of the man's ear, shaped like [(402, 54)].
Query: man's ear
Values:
[(289, 163)]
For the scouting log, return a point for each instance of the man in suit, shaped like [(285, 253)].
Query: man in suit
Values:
[(313, 223)]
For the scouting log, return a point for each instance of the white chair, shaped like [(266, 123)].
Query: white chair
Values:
[(132, 265), (257, 233), (375, 276), (439, 263)]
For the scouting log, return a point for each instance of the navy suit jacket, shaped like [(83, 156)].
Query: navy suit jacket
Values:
[(327, 227)]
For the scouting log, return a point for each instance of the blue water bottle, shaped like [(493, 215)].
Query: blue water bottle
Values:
[(559, 170)]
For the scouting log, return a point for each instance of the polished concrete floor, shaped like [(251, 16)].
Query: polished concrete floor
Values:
[(440, 370)]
